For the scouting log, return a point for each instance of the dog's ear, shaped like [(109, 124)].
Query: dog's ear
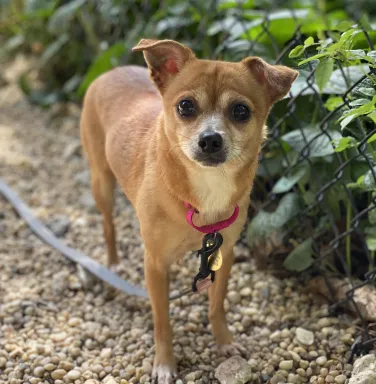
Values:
[(277, 79), (165, 59)]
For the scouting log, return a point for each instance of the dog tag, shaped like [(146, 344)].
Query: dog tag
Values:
[(215, 260), (210, 245), (203, 285)]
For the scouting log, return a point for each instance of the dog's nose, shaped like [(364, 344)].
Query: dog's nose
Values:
[(210, 142)]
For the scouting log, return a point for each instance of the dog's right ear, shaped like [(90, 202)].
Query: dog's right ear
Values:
[(165, 59)]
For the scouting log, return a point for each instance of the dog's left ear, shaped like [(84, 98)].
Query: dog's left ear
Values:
[(277, 79), (165, 59)]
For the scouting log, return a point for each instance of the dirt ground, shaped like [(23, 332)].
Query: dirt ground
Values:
[(54, 331)]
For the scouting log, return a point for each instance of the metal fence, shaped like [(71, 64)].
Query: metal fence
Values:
[(341, 256)]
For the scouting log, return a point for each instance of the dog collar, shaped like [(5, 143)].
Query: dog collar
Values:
[(211, 228)]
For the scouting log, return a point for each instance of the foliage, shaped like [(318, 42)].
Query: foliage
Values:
[(77, 40), (315, 155)]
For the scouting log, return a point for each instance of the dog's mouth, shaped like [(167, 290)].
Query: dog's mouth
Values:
[(212, 160)]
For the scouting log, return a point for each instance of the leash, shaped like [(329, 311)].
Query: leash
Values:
[(105, 274), (72, 254)]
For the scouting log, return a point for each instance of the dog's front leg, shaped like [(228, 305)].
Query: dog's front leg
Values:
[(157, 280), (217, 316)]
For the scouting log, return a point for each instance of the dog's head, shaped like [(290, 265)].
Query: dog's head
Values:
[(214, 111)]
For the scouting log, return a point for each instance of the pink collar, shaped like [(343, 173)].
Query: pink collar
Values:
[(212, 227)]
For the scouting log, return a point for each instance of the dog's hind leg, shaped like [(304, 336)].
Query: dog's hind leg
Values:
[(102, 178), (103, 184)]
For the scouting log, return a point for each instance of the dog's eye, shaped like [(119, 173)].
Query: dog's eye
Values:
[(240, 112), (186, 108)]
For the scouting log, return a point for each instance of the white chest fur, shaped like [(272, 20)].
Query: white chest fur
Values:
[(214, 188)]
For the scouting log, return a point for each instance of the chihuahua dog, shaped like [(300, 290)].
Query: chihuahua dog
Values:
[(188, 134)]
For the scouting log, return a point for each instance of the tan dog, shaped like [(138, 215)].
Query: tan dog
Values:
[(192, 134)]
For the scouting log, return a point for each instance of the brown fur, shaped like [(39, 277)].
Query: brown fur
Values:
[(132, 133)]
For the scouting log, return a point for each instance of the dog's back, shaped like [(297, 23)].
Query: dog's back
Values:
[(120, 108)]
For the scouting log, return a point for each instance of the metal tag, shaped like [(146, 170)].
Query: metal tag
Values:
[(215, 260)]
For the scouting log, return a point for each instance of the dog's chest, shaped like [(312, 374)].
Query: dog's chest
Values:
[(214, 189)]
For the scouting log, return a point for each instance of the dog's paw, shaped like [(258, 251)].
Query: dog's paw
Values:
[(233, 349), (163, 374)]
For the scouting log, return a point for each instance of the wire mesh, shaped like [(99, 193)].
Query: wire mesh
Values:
[(338, 240)]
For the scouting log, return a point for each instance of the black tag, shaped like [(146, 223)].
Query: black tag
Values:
[(210, 243)]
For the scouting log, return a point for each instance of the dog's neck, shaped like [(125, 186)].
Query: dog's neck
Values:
[(213, 191)]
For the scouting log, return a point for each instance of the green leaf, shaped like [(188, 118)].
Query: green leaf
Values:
[(270, 166), (367, 91), (313, 140), (285, 183), (14, 43), (266, 223), (365, 182), (372, 213), (371, 241), (308, 42), (281, 25), (323, 72), (354, 54), (359, 102), (372, 138), (343, 144), (172, 22), (372, 55), (296, 52), (32, 6), (300, 258), (61, 18), (372, 116), (365, 83), (72, 84), (343, 26), (347, 120), (53, 49), (315, 57), (104, 62), (369, 180), (354, 113), (333, 102)]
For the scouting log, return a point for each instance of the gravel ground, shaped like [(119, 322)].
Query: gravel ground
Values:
[(53, 331)]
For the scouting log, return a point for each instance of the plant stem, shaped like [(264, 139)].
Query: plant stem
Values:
[(348, 237), (372, 264), (314, 114), (89, 30)]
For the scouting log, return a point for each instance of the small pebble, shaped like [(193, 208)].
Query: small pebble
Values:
[(49, 367), (106, 353), (340, 379), (73, 375), (3, 362), (321, 360), (148, 368), (286, 365), (304, 336), (38, 372), (234, 297), (277, 379), (58, 374)]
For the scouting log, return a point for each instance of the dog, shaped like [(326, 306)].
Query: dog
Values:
[(183, 133)]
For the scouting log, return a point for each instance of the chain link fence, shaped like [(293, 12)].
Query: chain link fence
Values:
[(305, 204)]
